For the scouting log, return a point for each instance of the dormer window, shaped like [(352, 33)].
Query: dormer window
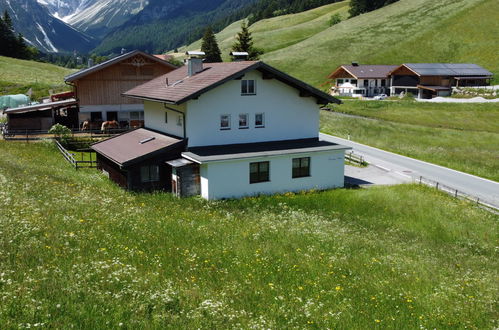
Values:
[(248, 87)]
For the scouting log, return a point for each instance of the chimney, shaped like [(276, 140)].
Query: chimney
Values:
[(194, 62), (239, 56), (90, 62), (355, 63)]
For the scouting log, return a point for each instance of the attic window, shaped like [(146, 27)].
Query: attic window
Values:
[(147, 140), (248, 87)]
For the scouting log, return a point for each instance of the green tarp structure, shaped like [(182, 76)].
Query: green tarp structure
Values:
[(13, 101)]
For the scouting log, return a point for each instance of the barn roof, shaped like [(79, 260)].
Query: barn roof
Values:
[(42, 106), (129, 148), (82, 73), (177, 87), (446, 69), (364, 71)]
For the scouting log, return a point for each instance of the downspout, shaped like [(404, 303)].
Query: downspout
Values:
[(183, 118)]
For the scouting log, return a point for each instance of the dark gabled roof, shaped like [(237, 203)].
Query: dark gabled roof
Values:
[(446, 69), (114, 60), (127, 149), (182, 88), (261, 149), (365, 71)]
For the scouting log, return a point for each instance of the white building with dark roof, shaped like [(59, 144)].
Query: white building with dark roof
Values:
[(248, 129)]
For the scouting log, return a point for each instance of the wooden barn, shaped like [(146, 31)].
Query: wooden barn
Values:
[(98, 88), (137, 160), (41, 117), (428, 80)]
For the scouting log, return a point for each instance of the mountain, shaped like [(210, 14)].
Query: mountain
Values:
[(94, 17), (42, 30), (163, 25)]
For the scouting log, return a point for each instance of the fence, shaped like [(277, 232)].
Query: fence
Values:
[(353, 158), (456, 193), (33, 135), (76, 163)]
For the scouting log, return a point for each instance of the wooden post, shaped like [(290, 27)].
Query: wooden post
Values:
[(456, 193), (420, 179), (437, 185)]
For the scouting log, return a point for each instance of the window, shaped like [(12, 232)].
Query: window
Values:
[(243, 120), (366, 83), (301, 167), (383, 82), (248, 87), (225, 122), (137, 115), (149, 173), (259, 120), (339, 81), (166, 117), (353, 81), (259, 172)]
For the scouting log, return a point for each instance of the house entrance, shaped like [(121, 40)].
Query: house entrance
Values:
[(112, 115)]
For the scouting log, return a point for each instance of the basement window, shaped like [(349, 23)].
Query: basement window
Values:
[(149, 173), (248, 87)]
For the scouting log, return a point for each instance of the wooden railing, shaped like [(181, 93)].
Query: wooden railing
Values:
[(71, 158), (353, 158)]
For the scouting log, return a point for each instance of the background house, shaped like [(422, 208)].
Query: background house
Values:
[(428, 80), (98, 88), (361, 80), (248, 129)]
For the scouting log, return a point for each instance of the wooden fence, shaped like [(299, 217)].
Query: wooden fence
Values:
[(34, 135), (70, 157), (353, 158)]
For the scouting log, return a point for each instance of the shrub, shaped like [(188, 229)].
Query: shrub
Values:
[(60, 131), (335, 19)]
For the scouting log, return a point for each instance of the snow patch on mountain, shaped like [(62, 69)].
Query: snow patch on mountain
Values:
[(46, 38)]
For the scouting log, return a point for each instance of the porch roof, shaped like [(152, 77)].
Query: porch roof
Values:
[(262, 149), (434, 88)]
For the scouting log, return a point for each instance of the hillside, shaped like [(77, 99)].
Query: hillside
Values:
[(41, 30), (305, 46), (17, 76), (79, 252)]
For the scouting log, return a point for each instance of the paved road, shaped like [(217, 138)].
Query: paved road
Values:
[(486, 190)]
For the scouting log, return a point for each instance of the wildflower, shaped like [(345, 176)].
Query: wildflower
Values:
[(377, 321), (338, 288)]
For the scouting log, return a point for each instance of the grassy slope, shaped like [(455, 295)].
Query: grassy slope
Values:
[(78, 251), (460, 136), (379, 37), (282, 31), (17, 76)]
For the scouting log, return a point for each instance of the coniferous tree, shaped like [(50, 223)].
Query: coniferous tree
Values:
[(210, 46), (244, 43)]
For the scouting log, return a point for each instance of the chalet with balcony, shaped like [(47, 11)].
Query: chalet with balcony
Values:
[(225, 130), (361, 80), (428, 80), (98, 88)]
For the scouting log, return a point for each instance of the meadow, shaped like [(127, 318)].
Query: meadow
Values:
[(18, 76), (464, 137), (77, 251)]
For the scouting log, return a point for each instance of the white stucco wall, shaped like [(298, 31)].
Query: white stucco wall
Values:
[(154, 118), (287, 115), (230, 179)]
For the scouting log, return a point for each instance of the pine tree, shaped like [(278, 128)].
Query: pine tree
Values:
[(7, 20), (210, 47), (244, 43)]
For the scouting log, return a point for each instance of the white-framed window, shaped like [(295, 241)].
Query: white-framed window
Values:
[(248, 87), (339, 81), (259, 120), (225, 122), (149, 173), (137, 115), (243, 121)]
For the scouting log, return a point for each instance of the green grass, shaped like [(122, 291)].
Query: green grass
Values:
[(77, 251), (464, 137), (17, 76), (282, 31)]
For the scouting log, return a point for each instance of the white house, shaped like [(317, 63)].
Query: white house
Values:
[(361, 80), (248, 129)]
